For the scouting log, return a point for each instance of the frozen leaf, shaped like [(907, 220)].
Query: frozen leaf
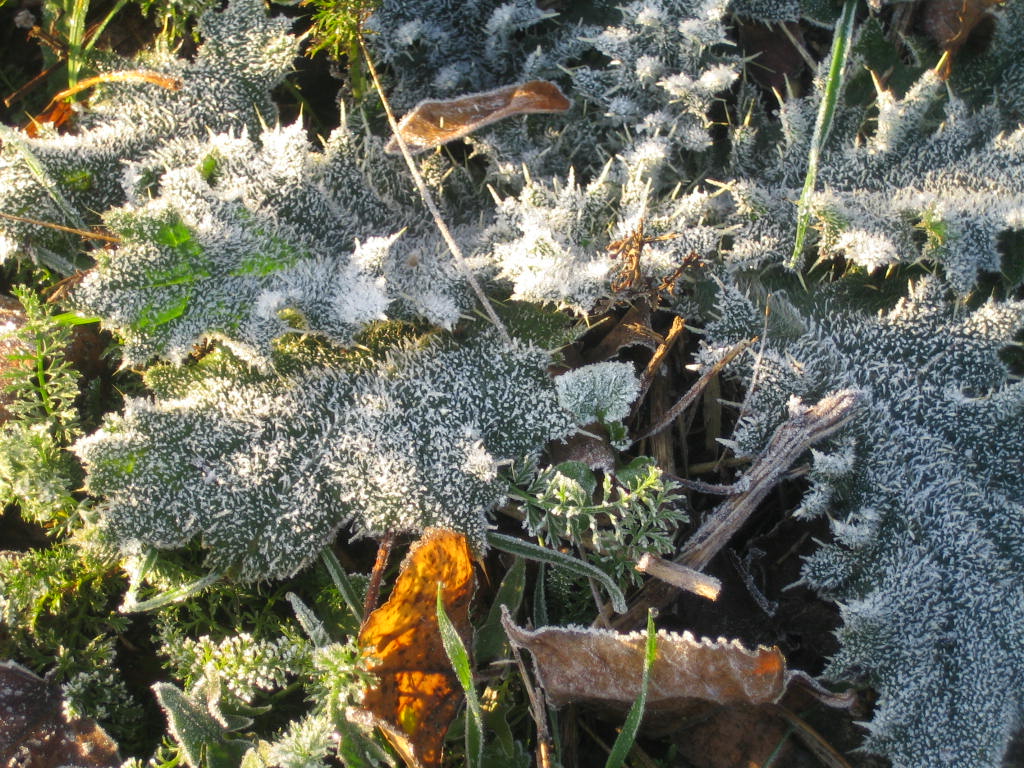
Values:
[(603, 667), (417, 692), (433, 123), (598, 392), (34, 732)]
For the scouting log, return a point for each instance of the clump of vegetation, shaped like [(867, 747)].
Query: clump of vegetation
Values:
[(587, 335)]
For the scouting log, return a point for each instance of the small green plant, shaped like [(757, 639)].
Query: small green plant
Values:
[(336, 28), (36, 470), (615, 519)]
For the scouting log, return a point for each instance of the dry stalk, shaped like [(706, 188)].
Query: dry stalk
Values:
[(803, 429)]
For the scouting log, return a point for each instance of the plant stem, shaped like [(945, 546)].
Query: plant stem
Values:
[(822, 125)]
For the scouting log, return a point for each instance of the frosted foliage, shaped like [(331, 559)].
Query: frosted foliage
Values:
[(273, 467), (767, 10), (227, 86), (927, 559), (909, 191), (540, 242), (236, 236), (239, 665), (248, 241), (661, 67), (598, 392), (551, 241), (669, 61), (1000, 64), (445, 48)]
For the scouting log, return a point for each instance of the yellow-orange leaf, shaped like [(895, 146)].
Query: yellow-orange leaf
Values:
[(417, 693)]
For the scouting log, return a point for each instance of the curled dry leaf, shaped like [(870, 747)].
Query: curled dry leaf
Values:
[(34, 733), (603, 667), (433, 123), (417, 693)]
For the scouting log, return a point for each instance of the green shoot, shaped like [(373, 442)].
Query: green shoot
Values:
[(459, 657), (624, 743), (822, 124), (574, 565)]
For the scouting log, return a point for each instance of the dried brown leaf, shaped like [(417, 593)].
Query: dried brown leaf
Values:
[(34, 733), (603, 667), (433, 123)]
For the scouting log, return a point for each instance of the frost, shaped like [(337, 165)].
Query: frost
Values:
[(928, 556)]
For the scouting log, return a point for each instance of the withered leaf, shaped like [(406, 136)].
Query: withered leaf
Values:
[(417, 693), (603, 667), (34, 732), (433, 123)]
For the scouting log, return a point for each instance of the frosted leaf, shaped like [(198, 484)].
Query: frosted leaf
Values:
[(598, 392), (226, 87), (926, 559), (276, 464)]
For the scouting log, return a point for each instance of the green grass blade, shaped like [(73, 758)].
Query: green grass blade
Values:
[(341, 581), (624, 743), (311, 625), (459, 657), (823, 123), (175, 595), (530, 551)]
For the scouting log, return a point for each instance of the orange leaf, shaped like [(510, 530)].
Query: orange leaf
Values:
[(58, 114), (417, 693), (433, 123)]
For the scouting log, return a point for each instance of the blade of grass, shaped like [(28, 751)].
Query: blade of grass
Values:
[(823, 123), (131, 603), (624, 743), (530, 551), (311, 625), (459, 658), (490, 638), (76, 38), (344, 585)]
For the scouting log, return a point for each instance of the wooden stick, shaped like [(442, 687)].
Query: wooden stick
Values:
[(803, 429), (800, 432), (679, 576)]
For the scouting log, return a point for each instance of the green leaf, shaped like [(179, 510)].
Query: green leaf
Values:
[(490, 638), (624, 743), (201, 737), (459, 657), (342, 583), (311, 625)]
